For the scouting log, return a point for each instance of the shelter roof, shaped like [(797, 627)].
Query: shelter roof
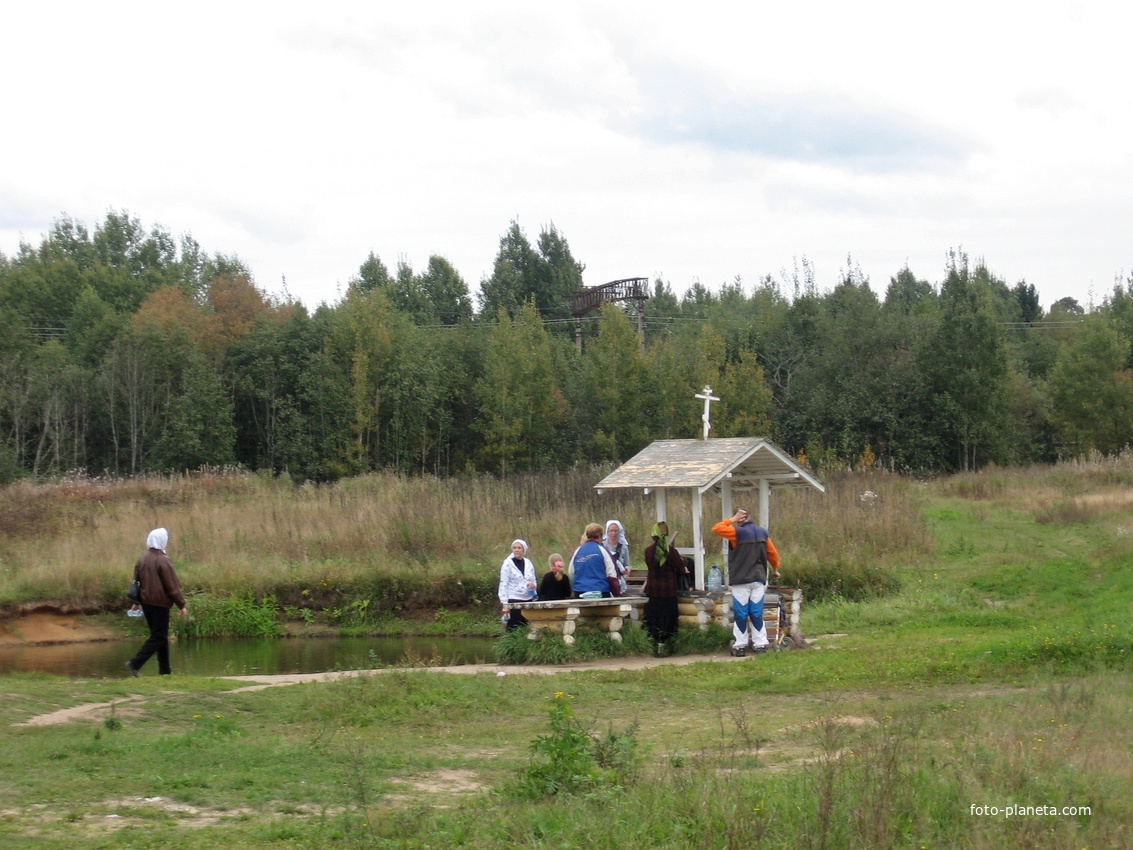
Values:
[(703, 464)]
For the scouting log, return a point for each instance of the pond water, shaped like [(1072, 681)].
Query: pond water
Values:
[(251, 656)]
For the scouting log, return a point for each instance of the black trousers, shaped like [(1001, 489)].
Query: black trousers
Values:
[(662, 617), (158, 640), (515, 619)]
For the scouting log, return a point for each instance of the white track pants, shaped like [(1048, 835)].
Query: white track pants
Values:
[(747, 604)]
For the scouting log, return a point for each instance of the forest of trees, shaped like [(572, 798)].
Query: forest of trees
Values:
[(124, 351)]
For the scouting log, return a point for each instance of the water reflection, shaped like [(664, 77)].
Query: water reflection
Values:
[(248, 656)]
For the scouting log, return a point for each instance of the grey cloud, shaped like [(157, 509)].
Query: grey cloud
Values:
[(681, 109), (1054, 101), (275, 227)]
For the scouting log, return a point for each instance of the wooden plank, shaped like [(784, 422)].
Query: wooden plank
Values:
[(615, 610), (533, 614), (690, 610)]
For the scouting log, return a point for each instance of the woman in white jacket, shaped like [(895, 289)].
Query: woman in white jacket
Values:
[(517, 583)]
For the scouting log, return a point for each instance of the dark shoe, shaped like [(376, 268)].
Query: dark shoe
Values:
[(759, 650), (133, 670), (737, 652)]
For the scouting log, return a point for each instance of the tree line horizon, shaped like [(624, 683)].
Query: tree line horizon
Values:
[(126, 351)]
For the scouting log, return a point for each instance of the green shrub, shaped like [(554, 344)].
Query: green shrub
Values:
[(228, 616), (516, 648), (591, 643), (571, 760), (692, 640), (842, 579)]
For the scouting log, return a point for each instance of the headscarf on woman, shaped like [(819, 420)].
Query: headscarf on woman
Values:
[(158, 539), (660, 534), (621, 531)]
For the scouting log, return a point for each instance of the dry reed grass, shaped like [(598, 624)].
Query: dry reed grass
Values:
[(233, 532), (236, 532)]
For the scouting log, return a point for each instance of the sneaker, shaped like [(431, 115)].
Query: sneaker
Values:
[(737, 652), (759, 650), (133, 670)]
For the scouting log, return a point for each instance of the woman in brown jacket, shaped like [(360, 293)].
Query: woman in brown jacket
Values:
[(161, 590)]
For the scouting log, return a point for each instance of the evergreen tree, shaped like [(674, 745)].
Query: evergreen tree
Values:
[(198, 428), (445, 293), (965, 365), (547, 277), (515, 275), (1092, 391), (520, 403), (612, 410)]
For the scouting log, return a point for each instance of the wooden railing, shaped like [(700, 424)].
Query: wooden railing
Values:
[(628, 289)]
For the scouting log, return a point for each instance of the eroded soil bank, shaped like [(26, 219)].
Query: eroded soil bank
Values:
[(42, 627)]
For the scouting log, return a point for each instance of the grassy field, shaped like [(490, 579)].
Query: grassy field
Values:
[(968, 685)]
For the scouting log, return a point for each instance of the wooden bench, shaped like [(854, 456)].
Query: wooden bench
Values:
[(562, 616), (781, 609)]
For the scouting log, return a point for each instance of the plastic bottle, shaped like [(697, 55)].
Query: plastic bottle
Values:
[(715, 580)]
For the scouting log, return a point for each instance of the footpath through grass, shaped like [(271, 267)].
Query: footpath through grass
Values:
[(985, 704)]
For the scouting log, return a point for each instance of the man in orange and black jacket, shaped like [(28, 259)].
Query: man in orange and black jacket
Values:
[(750, 552)]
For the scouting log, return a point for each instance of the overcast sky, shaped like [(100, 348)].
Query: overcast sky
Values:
[(692, 140)]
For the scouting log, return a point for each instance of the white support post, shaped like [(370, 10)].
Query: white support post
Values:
[(726, 511), (660, 501), (698, 537), (764, 502)]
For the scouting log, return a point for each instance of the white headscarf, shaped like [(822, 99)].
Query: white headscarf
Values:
[(621, 531), (158, 539), (522, 543)]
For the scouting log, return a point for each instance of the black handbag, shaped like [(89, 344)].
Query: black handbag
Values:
[(134, 591)]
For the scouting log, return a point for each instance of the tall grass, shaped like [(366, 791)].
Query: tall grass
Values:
[(75, 541), (427, 541)]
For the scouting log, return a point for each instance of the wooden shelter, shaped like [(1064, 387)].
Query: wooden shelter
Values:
[(728, 466)]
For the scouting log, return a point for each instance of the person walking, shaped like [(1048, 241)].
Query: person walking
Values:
[(161, 590), (750, 552)]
